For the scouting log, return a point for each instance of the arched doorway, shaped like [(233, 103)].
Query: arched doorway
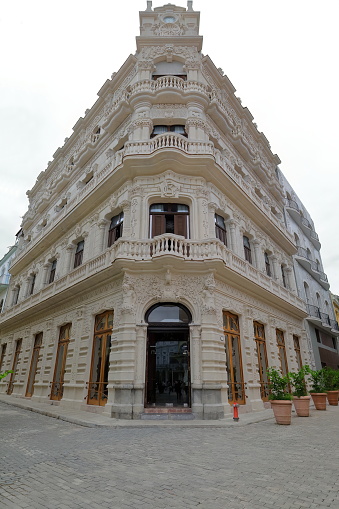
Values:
[(168, 378)]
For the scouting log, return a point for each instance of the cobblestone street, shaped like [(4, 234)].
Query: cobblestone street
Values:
[(48, 463)]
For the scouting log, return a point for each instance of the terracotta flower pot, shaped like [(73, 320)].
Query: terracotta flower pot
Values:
[(332, 397), (302, 405), (319, 400), (282, 410)]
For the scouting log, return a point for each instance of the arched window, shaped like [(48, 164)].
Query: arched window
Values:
[(168, 313), (267, 265), (309, 255), (296, 240), (247, 249), (220, 229), (115, 228), (169, 218)]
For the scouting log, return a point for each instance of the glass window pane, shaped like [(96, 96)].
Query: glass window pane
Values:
[(169, 313)]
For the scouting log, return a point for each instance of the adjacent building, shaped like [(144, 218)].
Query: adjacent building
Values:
[(5, 276), (312, 282), (155, 269)]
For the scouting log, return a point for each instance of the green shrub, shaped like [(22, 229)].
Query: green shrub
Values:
[(298, 382), (278, 384), (317, 379)]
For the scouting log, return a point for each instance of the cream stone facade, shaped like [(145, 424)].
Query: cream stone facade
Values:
[(155, 272)]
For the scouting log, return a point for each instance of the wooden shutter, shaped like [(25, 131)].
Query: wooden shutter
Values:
[(158, 224), (180, 225)]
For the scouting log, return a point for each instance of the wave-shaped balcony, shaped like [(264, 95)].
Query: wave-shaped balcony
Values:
[(312, 267), (321, 319), (168, 88), (170, 141), (294, 211), (166, 248)]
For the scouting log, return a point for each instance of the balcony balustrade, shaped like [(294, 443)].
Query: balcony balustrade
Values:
[(152, 249), (168, 82), (315, 312)]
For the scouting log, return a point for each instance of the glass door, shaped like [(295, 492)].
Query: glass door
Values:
[(97, 386), (168, 380), (58, 379), (235, 377), (34, 365)]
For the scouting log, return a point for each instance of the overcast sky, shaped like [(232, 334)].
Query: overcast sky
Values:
[(281, 56)]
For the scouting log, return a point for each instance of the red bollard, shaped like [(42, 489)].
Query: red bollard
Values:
[(235, 412)]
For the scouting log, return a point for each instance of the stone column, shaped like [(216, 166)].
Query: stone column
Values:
[(232, 236), (257, 255), (69, 258), (102, 241), (126, 230), (44, 277), (291, 279), (275, 268)]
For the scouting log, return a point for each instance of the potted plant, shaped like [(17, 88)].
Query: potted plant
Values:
[(301, 399), (317, 391), (331, 382), (279, 396)]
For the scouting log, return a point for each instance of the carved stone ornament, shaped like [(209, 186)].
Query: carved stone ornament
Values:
[(169, 189)]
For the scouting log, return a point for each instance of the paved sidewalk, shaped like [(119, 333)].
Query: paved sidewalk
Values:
[(51, 464), (92, 420)]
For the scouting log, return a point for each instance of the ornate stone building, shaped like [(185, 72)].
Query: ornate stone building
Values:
[(154, 272)]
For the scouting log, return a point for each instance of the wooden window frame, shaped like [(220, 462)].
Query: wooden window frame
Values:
[(282, 351), (97, 389), (260, 341), (115, 232), (79, 253), (169, 129), (220, 231), (297, 349), (283, 275), (247, 249), (57, 387), (161, 217), (52, 272), (18, 345), (267, 265), (34, 364), (32, 284), (235, 394), (3, 353)]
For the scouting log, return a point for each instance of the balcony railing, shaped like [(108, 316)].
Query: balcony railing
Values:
[(151, 249), (316, 312)]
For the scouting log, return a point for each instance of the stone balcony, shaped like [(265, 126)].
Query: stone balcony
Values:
[(165, 248), (312, 267), (167, 85)]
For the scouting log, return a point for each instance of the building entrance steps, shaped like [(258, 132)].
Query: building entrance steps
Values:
[(92, 420)]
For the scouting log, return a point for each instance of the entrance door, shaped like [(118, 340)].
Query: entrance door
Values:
[(168, 380)]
